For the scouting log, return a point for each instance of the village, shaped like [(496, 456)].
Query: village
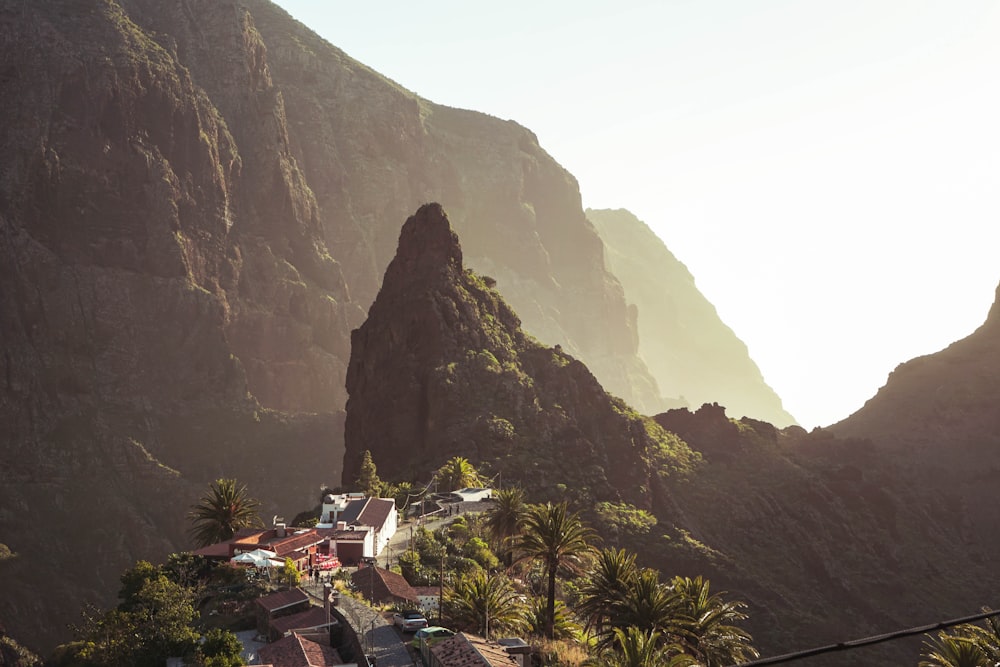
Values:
[(385, 621)]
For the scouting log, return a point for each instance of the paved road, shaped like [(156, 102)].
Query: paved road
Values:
[(400, 542), (376, 634)]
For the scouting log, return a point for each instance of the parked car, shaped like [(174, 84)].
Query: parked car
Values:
[(430, 636), (409, 621)]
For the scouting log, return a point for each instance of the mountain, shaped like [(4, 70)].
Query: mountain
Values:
[(689, 350), (441, 367), (159, 281), (887, 519), (827, 538), (938, 414), (372, 152), (198, 199), (822, 536)]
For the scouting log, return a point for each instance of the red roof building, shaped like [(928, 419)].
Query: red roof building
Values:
[(315, 619), (274, 606), (464, 650), (384, 587), (297, 651)]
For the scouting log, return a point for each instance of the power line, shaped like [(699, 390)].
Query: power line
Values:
[(867, 641)]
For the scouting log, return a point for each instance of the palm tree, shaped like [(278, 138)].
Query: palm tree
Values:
[(485, 604), (457, 473), (221, 512), (648, 605), (504, 518), (953, 651), (606, 586), (564, 627), (560, 540), (987, 639), (637, 648), (708, 630)]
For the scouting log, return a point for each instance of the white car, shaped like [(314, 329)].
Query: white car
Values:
[(409, 621)]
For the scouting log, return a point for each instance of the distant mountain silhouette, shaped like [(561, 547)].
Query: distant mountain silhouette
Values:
[(688, 349)]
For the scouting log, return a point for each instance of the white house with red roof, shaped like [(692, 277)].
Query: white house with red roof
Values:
[(346, 510)]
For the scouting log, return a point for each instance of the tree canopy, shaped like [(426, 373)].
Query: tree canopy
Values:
[(226, 508)]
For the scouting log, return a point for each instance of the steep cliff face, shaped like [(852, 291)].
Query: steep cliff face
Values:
[(822, 536), (688, 349), (197, 201), (372, 152), (441, 367), (126, 277)]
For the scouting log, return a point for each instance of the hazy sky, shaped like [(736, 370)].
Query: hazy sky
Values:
[(829, 170)]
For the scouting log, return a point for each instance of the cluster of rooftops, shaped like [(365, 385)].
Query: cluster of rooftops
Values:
[(352, 530)]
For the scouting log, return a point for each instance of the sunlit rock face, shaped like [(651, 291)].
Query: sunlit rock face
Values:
[(441, 368), (692, 354)]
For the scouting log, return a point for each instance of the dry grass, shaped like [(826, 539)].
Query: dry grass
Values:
[(561, 652)]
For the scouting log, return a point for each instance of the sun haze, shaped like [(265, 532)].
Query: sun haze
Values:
[(828, 171)]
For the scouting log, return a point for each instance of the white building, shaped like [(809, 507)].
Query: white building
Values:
[(353, 509)]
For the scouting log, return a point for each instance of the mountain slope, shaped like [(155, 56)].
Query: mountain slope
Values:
[(938, 413), (822, 536), (197, 200), (827, 538), (136, 255), (441, 367), (689, 350), (373, 152)]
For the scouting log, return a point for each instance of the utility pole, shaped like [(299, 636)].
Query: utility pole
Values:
[(441, 594)]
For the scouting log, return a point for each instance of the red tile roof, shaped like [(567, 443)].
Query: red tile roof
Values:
[(282, 599), (368, 512), (387, 586), (312, 619), (286, 545), (219, 550), (297, 651), (464, 650)]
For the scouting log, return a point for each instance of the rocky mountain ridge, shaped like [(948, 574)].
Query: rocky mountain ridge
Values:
[(688, 348), (197, 198), (821, 535), (441, 367)]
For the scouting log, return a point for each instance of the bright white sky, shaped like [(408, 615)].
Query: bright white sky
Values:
[(829, 170)]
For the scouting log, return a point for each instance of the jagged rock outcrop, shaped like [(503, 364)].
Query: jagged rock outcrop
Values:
[(688, 349), (197, 200), (822, 536), (441, 367), (372, 152)]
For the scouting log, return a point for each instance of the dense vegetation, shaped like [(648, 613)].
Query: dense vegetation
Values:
[(158, 617), (534, 570)]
